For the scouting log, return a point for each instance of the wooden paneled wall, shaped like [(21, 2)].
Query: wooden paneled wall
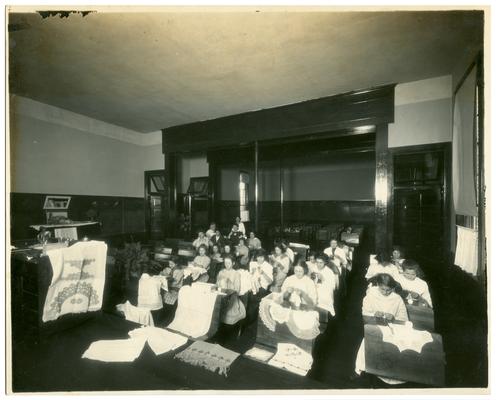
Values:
[(118, 215)]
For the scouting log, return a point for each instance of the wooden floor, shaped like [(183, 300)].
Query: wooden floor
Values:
[(460, 318)]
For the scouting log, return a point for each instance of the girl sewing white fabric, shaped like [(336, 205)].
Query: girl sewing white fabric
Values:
[(280, 262), (201, 240), (241, 226), (201, 261), (326, 282), (299, 288), (228, 280), (381, 266), (261, 272), (397, 259), (336, 254), (381, 301), (242, 253), (411, 283)]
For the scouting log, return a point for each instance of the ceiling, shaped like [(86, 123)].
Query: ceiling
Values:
[(148, 71)]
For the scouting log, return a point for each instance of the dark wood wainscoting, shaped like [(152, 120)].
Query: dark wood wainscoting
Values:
[(117, 215)]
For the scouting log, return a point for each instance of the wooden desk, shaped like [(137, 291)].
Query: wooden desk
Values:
[(268, 339), (282, 334), (422, 317), (31, 275), (385, 359)]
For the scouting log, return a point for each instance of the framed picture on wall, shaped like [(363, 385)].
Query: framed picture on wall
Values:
[(57, 202)]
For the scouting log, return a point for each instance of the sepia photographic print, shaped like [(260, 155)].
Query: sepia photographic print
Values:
[(252, 199)]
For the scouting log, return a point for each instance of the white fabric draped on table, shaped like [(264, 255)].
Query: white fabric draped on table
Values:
[(78, 279)]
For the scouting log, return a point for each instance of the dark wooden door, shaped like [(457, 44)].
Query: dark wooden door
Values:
[(420, 204), (156, 200), (419, 223)]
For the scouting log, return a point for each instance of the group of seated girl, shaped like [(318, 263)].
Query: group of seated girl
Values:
[(391, 281), (405, 275), (248, 276)]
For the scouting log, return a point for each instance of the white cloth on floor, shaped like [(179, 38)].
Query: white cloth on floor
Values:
[(160, 340), (194, 314), (125, 350), (291, 357), (466, 249), (78, 279), (139, 315), (259, 354)]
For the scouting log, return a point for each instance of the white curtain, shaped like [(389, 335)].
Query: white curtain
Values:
[(463, 148), (466, 249)]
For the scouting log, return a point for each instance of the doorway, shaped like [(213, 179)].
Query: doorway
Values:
[(155, 202), (421, 202)]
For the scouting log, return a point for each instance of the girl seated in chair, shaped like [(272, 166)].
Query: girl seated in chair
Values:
[(201, 240), (299, 288), (397, 259), (216, 263), (242, 254), (229, 282), (261, 275), (382, 301), (326, 282), (382, 266), (280, 262), (415, 290), (202, 261)]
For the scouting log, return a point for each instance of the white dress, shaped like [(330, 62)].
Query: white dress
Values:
[(336, 255), (241, 228), (325, 288), (375, 269), (416, 285), (263, 280), (375, 301)]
